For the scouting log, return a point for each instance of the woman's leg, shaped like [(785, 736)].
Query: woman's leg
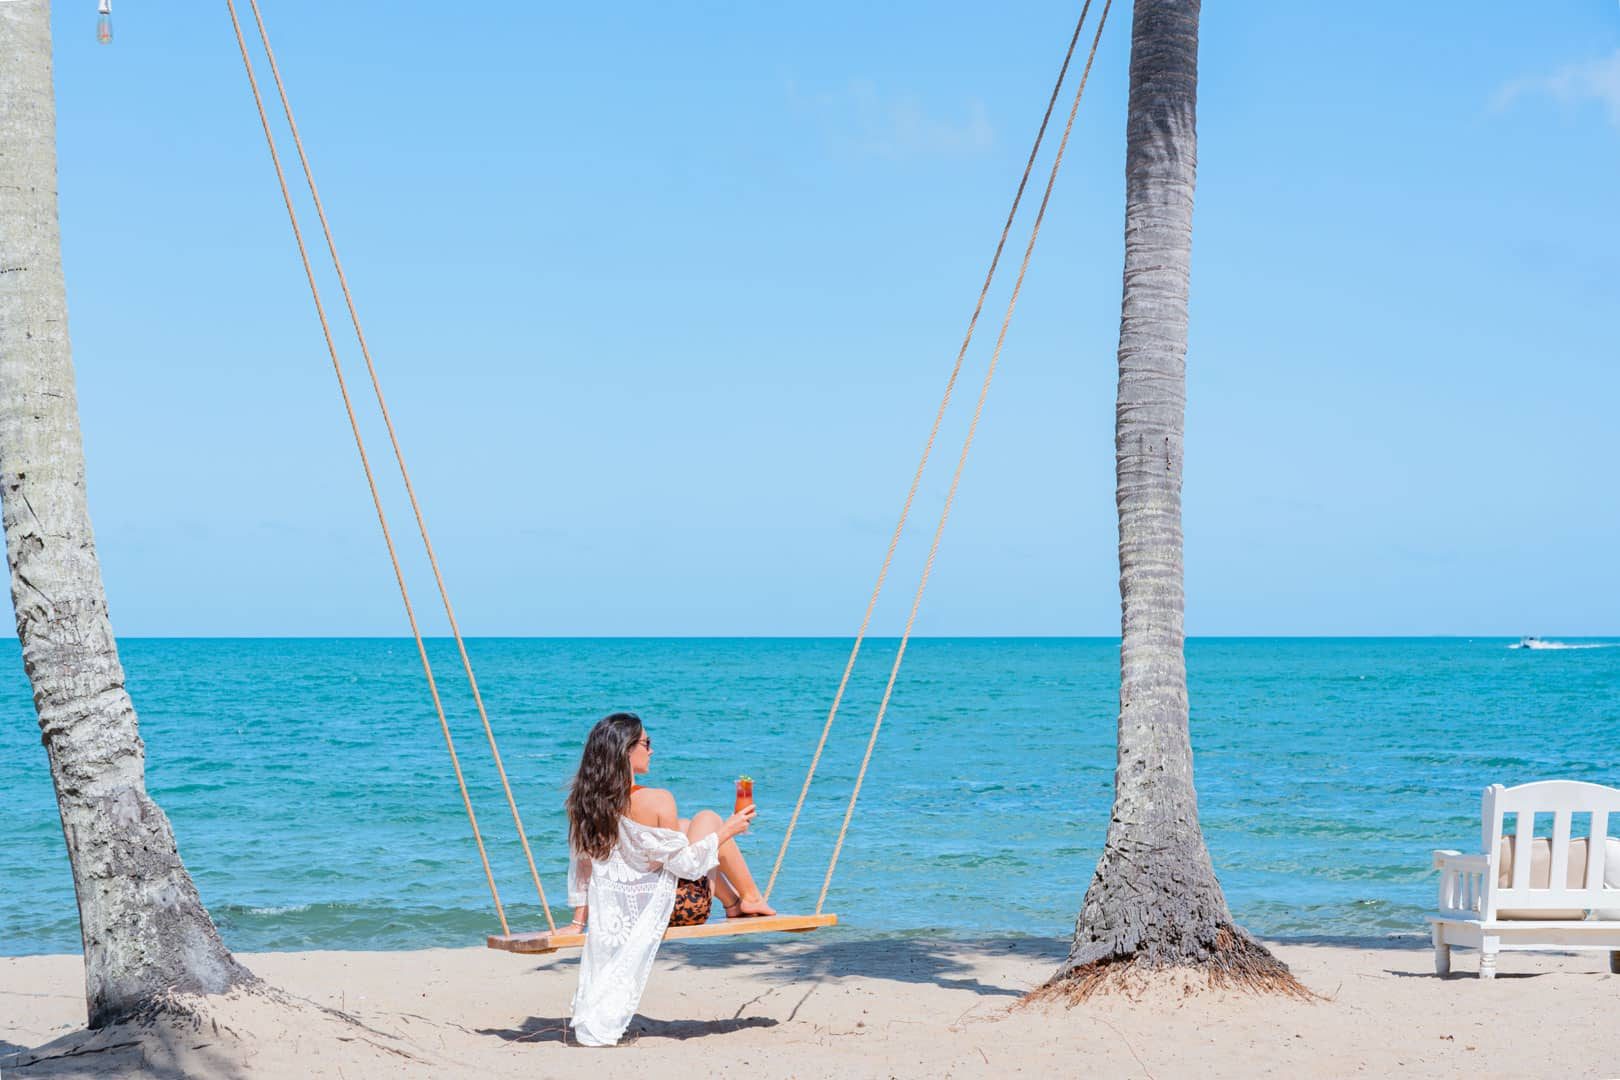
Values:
[(733, 884), (705, 823)]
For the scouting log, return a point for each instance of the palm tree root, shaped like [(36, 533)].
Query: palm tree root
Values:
[(1233, 961)]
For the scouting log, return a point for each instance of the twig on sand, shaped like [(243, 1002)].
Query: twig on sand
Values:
[(1127, 1043), (753, 1001), (983, 1054), (431, 1020), (802, 1000), (530, 1036)]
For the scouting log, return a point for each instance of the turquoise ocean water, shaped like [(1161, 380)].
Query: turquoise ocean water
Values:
[(313, 800)]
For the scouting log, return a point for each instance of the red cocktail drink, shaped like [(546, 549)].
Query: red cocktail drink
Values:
[(745, 792)]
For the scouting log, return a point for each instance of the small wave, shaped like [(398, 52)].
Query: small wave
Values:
[(1563, 645)]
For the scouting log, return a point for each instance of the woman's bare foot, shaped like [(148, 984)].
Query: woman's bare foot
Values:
[(749, 907)]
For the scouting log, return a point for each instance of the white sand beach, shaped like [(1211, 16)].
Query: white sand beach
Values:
[(828, 1007)]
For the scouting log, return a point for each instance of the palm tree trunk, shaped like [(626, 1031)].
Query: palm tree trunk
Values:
[(145, 931), (1154, 901)]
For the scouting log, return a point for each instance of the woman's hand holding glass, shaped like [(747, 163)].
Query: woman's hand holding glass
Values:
[(737, 823)]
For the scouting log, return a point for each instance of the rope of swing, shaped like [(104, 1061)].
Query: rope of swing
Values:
[(928, 449), (978, 410), (399, 457)]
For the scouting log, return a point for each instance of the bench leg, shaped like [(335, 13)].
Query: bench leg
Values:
[(1487, 957), (1442, 952), (1614, 962)]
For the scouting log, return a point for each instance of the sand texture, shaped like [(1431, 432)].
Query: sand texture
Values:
[(825, 1006)]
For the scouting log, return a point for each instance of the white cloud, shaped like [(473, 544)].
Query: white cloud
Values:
[(1573, 84)]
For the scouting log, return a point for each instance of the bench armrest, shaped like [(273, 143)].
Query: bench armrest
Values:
[(1463, 882), (1456, 860)]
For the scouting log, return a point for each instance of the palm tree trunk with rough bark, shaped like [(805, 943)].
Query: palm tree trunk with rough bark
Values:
[(146, 933), (1154, 901)]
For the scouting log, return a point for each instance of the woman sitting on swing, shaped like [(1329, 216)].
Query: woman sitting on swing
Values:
[(624, 838)]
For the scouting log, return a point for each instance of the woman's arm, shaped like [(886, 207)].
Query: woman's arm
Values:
[(659, 805), (579, 881), (656, 807), (694, 858)]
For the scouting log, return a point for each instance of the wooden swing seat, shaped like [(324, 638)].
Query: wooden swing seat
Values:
[(543, 942)]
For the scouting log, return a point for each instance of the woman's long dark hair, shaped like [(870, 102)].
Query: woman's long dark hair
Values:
[(600, 792)]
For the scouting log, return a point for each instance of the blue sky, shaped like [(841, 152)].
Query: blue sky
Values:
[(664, 300)]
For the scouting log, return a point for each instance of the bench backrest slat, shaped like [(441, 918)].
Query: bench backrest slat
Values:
[(1560, 849), (1526, 843), (1595, 850)]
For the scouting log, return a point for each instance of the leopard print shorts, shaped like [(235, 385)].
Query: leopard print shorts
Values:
[(692, 902)]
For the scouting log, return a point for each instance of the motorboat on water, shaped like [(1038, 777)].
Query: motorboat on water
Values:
[(1529, 642)]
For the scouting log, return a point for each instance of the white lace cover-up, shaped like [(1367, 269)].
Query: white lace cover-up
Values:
[(631, 893)]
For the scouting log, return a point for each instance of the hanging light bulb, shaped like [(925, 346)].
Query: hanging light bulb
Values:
[(104, 22)]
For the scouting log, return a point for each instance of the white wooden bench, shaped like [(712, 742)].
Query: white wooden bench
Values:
[(1556, 899)]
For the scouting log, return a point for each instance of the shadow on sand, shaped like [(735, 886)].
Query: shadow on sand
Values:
[(151, 1050), (791, 961), (945, 962), (1414, 943), (554, 1029)]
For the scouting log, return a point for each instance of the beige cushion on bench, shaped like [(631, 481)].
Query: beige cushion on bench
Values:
[(1541, 876)]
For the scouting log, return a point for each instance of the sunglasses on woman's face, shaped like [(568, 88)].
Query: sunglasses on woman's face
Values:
[(644, 741)]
